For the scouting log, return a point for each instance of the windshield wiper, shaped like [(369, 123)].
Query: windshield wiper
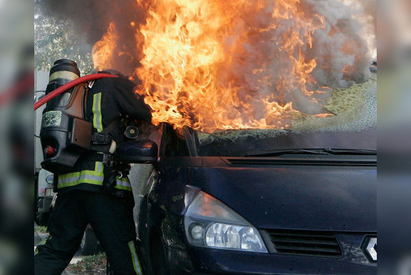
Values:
[(350, 151), (313, 151), (278, 152)]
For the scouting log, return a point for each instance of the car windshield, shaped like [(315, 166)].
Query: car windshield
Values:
[(351, 124)]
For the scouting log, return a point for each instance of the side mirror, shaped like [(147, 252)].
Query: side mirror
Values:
[(137, 151)]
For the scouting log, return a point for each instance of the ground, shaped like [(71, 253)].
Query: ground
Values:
[(89, 265), (84, 265)]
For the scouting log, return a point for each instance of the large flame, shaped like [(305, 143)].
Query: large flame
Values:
[(218, 64), (105, 48)]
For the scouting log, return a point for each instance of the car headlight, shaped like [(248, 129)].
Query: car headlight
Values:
[(210, 223)]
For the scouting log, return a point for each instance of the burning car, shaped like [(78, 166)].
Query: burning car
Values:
[(263, 201), (265, 158)]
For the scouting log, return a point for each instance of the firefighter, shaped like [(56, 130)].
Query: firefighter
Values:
[(95, 193)]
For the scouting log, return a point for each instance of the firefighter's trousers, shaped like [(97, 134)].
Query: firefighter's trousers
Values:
[(112, 221)]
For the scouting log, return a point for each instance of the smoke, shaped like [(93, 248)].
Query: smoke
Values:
[(353, 22), (342, 48), (93, 17)]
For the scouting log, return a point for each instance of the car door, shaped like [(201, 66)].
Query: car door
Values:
[(161, 208)]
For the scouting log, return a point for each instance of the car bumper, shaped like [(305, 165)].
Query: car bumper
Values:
[(212, 261)]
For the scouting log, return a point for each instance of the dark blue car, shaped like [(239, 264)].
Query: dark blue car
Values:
[(260, 201)]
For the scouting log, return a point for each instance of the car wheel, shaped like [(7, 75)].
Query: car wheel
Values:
[(158, 258), (89, 244)]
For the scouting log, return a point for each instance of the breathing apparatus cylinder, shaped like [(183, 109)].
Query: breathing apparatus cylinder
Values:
[(62, 72), (65, 134)]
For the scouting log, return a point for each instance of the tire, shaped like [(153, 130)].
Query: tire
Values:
[(89, 244), (158, 258)]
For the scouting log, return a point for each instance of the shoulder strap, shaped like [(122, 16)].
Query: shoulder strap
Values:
[(103, 138), (111, 126)]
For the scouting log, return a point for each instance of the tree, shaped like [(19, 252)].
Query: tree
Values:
[(55, 38)]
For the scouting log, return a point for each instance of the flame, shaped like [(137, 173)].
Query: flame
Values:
[(104, 49), (197, 58), (218, 64)]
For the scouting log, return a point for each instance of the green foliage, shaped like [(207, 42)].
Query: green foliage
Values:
[(90, 265), (54, 39)]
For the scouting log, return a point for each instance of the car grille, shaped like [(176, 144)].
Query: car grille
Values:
[(305, 243)]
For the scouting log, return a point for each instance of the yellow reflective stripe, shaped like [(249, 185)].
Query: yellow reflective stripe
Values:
[(78, 174), (77, 182), (123, 184), (98, 166), (43, 242), (97, 115), (123, 181), (95, 177), (134, 257)]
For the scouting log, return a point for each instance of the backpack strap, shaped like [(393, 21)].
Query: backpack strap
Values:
[(101, 142)]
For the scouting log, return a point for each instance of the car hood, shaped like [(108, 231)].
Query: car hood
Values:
[(309, 197)]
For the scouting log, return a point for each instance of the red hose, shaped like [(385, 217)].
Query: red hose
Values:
[(70, 85)]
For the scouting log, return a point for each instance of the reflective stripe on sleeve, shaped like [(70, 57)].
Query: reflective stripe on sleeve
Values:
[(134, 257), (97, 115), (99, 167), (123, 184)]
